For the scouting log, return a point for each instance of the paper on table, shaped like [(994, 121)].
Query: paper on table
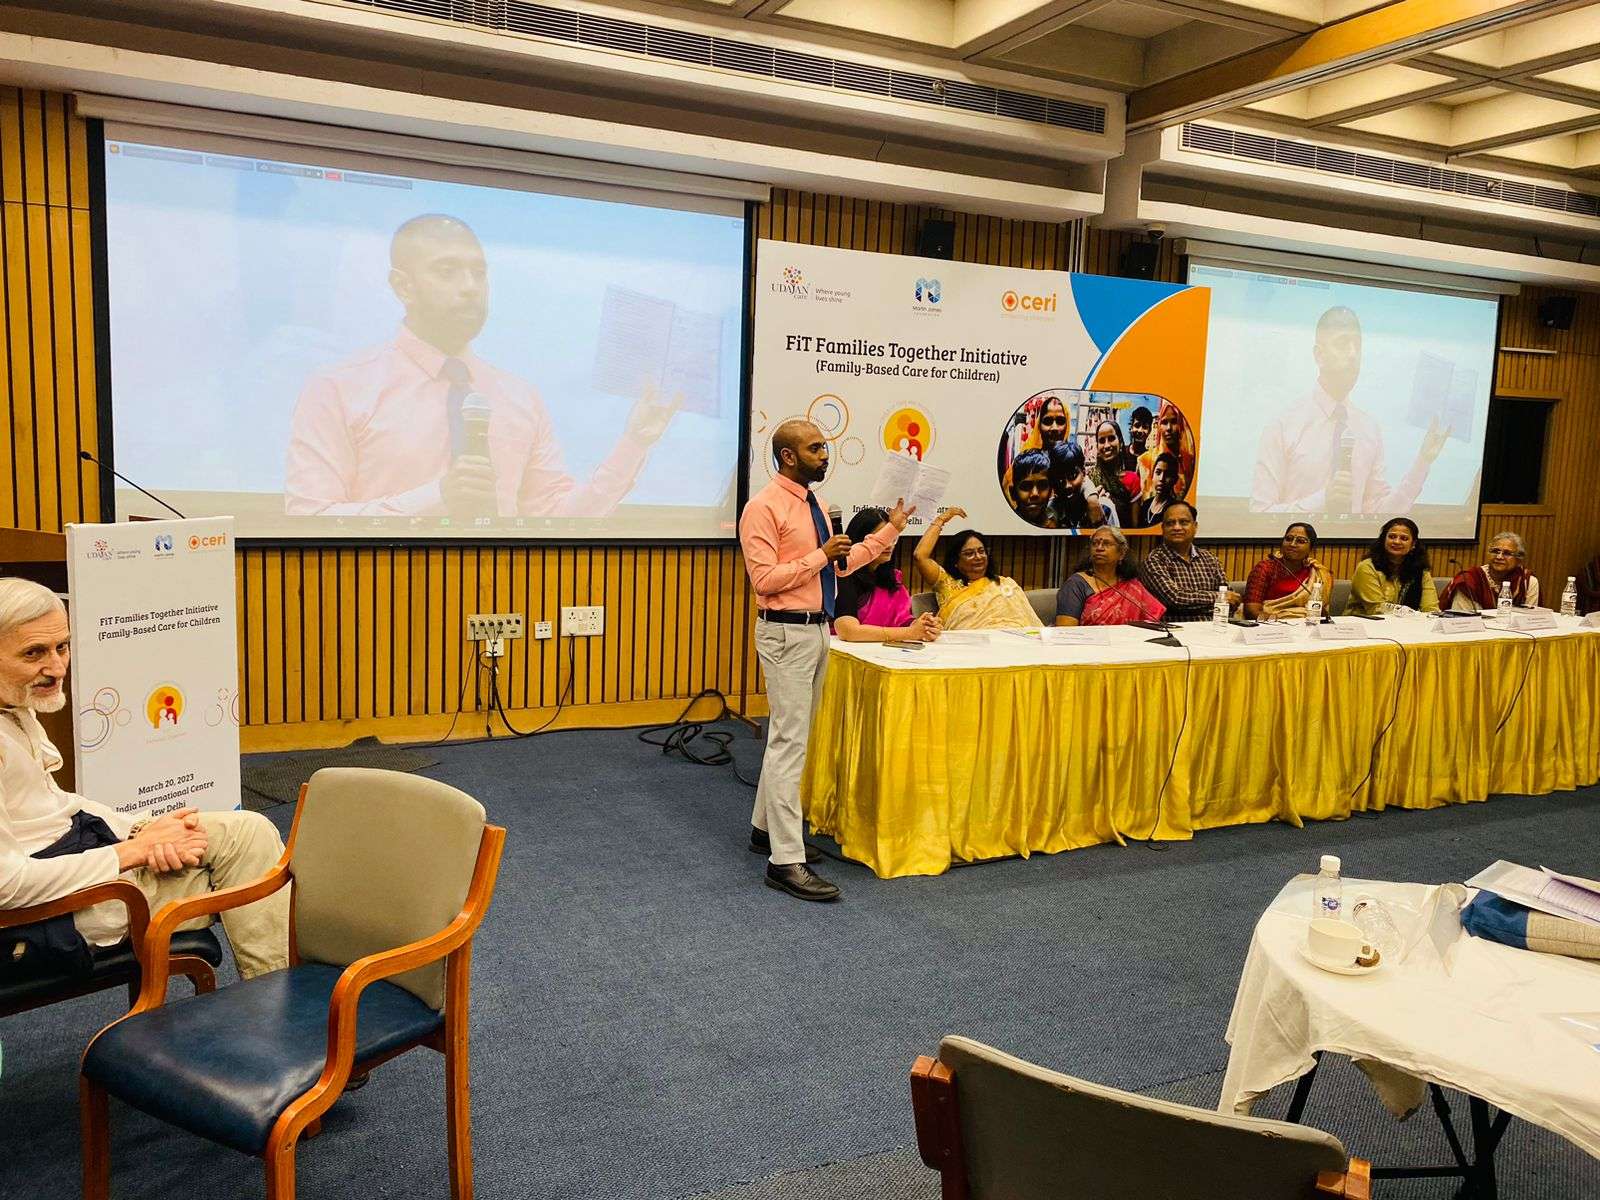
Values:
[(1573, 892), (647, 340), (1531, 888)]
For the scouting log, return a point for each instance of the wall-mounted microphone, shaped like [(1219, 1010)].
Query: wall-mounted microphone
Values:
[(87, 457), (475, 425), (836, 522)]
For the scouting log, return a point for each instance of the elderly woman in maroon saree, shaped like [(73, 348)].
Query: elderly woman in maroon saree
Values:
[(1105, 590), (1478, 588)]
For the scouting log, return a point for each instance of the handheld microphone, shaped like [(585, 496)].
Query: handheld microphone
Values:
[(475, 425), (836, 522), (1347, 450), (87, 457)]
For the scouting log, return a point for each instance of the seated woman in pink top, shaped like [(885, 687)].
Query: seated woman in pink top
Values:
[(872, 604)]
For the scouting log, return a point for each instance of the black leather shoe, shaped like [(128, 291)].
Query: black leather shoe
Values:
[(800, 880), (761, 843)]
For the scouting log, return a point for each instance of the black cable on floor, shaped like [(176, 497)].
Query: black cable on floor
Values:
[(678, 737), (466, 678)]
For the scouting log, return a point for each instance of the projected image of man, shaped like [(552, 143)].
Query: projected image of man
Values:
[(420, 426), (1325, 454)]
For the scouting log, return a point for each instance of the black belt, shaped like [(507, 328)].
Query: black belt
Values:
[(783, 617)]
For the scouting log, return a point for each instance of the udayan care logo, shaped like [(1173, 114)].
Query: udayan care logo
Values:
[(164, 706), (793, 284)]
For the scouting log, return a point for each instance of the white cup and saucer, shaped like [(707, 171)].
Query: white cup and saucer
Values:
[(1339, 947)]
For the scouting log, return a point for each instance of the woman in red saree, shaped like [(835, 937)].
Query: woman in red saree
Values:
[(1478, 588), (1105, 590)]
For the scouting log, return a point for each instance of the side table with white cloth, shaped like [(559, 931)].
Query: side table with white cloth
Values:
[(1510, 1028)]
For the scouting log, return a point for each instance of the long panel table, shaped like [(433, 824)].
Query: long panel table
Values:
[(1003, 745)]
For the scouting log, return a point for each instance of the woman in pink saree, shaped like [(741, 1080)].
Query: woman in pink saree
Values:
[(872, 603), (1105, 590)]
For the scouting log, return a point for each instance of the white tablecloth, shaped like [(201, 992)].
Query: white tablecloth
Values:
[(1518, 1029), (1129, 644)]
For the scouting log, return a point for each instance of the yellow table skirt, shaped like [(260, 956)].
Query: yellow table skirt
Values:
[(909, 769)]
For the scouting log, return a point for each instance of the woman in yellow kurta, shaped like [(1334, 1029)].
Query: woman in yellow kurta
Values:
[(970, 594), (1395, 571)]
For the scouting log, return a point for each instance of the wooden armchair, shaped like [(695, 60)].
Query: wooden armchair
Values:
[(194, 955), (392, 875), (995, 1126)]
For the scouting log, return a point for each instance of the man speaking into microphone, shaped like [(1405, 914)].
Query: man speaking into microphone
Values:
[(420, 426), (794, 560)]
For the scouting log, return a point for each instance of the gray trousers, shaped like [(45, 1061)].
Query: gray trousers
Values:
[(794, 658)]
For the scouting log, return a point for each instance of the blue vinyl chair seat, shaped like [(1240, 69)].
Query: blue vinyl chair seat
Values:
[(112, 965), (225, 1065)]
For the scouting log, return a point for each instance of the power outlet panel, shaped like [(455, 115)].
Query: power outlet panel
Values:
[(583, 621), (490, 627), (542, 630)]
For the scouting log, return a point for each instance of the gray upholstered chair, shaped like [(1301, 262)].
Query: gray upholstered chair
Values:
[(1340, 597), (998, 1128), (923, 602), (392, 874), (1044, 604)]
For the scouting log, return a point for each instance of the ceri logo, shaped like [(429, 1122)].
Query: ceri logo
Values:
[(163, 543), (164, 706), (793, 283), (928, 290), (1012, 301), (211, 541)]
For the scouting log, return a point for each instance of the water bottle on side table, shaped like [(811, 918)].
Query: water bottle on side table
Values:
[(1503, 604), (1219, 610), (1569, 598), (1314, 605), (1328, 892)]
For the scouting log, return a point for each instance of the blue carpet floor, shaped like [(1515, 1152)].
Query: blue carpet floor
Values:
[(650, 1022)]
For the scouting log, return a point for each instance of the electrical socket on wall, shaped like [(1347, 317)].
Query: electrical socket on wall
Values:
[(492, 627), (583, 620), (542, 630)]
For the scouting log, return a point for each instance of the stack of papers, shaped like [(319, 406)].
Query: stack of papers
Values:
[(1544, 890)]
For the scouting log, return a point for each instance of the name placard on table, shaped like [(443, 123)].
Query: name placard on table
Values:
[(1339, 633), (1524, 621), (1265, 635), (1471, 623), (1079, 635)]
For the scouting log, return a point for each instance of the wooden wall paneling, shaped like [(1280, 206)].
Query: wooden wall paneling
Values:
[(19, 321), (294, 666), (376, 634)]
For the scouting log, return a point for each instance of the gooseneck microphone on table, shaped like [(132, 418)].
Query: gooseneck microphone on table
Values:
[(87, 457)]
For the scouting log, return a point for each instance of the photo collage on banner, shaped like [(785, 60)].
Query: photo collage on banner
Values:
[(1037, 401)]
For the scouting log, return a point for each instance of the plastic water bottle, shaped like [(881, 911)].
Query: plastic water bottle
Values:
[(1503, 604), (1328, 892), (1314, 605), (1219, 610), (1569, 598)]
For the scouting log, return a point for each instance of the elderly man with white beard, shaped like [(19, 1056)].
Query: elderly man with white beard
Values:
[(53, 843)]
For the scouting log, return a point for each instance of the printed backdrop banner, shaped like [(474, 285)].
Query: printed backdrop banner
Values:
[(1035, 400), (155, 664)]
